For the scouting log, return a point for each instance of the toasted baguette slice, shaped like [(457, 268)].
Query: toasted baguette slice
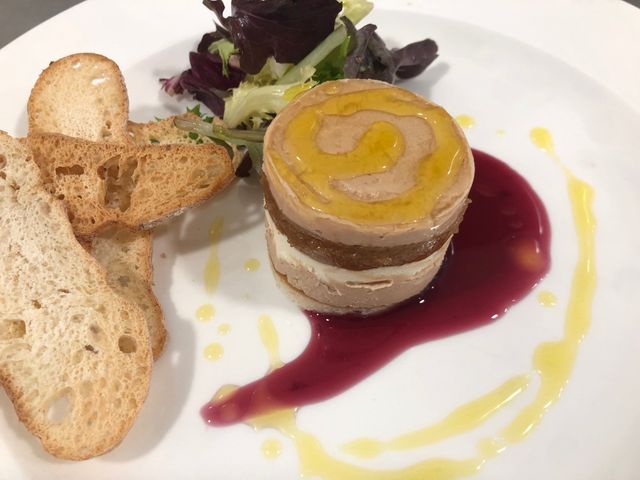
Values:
[(165, 132), (74, 355), (137, 186), (126, 256), (82, 95)]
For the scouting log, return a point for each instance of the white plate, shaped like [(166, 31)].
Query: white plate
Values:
[(504, 84)]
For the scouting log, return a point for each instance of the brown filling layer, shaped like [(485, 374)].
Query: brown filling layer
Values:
[(352, 257)]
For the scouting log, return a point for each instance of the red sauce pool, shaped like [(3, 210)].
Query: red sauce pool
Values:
[(500, 253)]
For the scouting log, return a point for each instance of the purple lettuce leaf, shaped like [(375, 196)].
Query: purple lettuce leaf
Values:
[(414, 58), (205, 80), (285, 29), (369, 57), (217, 7)]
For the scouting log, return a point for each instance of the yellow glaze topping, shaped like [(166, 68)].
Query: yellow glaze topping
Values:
[(313, 174)]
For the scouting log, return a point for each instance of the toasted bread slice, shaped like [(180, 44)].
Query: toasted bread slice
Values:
[(165, 132), (126, 256), (137, 186), (74, 355), (82, 95)]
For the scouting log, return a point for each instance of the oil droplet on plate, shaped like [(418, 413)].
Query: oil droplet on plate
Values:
[(501, 132), (547, 299), (212, 267), (213, 351), (271, 448), (269, 337), (542, 139), (205, 312), (252, 265), (465, 121), (224, 328)]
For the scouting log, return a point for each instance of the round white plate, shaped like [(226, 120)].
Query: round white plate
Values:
[(497, 64)]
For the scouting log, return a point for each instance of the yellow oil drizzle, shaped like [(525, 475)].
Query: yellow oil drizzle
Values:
[(205, 312), (213, 351), (462, 419), (312, 172), (547, 299), (271, 448), (501, 132), (465, 121), (553, 361), (252, 264), (212, 267), (224, 328), (269, 338)]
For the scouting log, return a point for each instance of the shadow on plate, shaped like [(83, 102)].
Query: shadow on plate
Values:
[(173, 372)]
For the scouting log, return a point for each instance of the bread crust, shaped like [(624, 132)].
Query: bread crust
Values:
[(73, 337), (138, 186)]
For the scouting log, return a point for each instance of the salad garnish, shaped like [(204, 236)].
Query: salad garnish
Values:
[(267, 52)]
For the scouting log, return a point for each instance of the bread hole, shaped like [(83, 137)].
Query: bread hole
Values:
[(123, 281), (14, 186), (72, 170), (36, 304), (60, 406), (118, 175), (12, 329), (95, 329), (101, 309), (63, 290), (3, 161), (60, 196), (90, 348), (127, 344), (76, 318), (3, 175)]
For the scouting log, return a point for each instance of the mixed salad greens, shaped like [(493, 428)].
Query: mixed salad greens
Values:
[(269, 51)]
